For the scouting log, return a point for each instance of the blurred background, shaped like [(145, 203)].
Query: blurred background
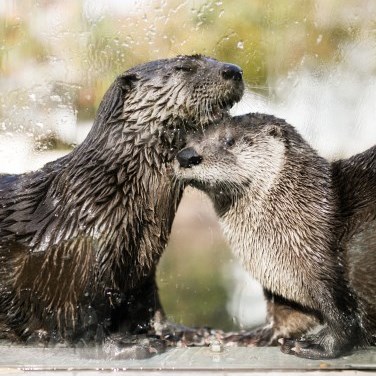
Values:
[(312, 62)]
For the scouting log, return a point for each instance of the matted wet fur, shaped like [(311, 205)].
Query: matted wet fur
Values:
[(81, 237), (302, 227)]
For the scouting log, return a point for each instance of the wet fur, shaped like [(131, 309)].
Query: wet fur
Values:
[(303, 227), (81, 237)]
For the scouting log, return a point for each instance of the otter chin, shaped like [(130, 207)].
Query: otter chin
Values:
[(299, 225), (80, 238)]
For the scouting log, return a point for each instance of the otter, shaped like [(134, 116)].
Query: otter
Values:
[(303, 227), (81, 237)]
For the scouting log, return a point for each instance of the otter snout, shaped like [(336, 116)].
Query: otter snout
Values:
[(232, 72), (188, 157)]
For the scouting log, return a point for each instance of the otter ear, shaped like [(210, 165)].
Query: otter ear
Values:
[(275, 130), (126, 81), (111, 106)]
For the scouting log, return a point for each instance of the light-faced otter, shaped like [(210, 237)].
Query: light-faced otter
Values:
[(298, 224), (81, 237)]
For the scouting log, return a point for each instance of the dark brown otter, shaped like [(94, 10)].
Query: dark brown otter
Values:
[(81, 237), (304, 228)]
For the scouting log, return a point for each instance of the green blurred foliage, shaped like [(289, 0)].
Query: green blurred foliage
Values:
[(193, 287), (263, 37)]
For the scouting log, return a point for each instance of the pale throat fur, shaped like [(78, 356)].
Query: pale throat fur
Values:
[(252, 226)]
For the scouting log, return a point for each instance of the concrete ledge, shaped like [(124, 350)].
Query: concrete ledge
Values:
[(14, 359)]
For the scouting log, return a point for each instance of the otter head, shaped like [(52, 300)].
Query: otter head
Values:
[(185, 91), (233, 158), (193, 88)]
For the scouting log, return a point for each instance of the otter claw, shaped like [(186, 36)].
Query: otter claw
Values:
[(311, 348)]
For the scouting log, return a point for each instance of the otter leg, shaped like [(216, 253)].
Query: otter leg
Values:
[(138, 308), (140, 328), (339, 336), (284, 319), (324, 345), (132, 332)]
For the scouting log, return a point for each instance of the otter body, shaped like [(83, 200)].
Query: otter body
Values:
[(299, 225), (80, 238)]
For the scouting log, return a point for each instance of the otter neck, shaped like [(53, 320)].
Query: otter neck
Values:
[(115, 194), (280, 233)]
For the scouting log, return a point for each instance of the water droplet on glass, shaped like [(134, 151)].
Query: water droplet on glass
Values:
[(240, 45)]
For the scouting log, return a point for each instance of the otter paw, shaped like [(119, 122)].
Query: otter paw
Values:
[(260, 337), (314, 347), (132, 347)]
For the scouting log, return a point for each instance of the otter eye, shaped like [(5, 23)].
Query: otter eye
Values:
[(229, 141), (184, 68)]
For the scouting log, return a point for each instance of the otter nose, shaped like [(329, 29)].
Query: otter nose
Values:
[(232, 72), (188, 157)]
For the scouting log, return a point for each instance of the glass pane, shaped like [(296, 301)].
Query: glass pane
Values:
[(312, 62)]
